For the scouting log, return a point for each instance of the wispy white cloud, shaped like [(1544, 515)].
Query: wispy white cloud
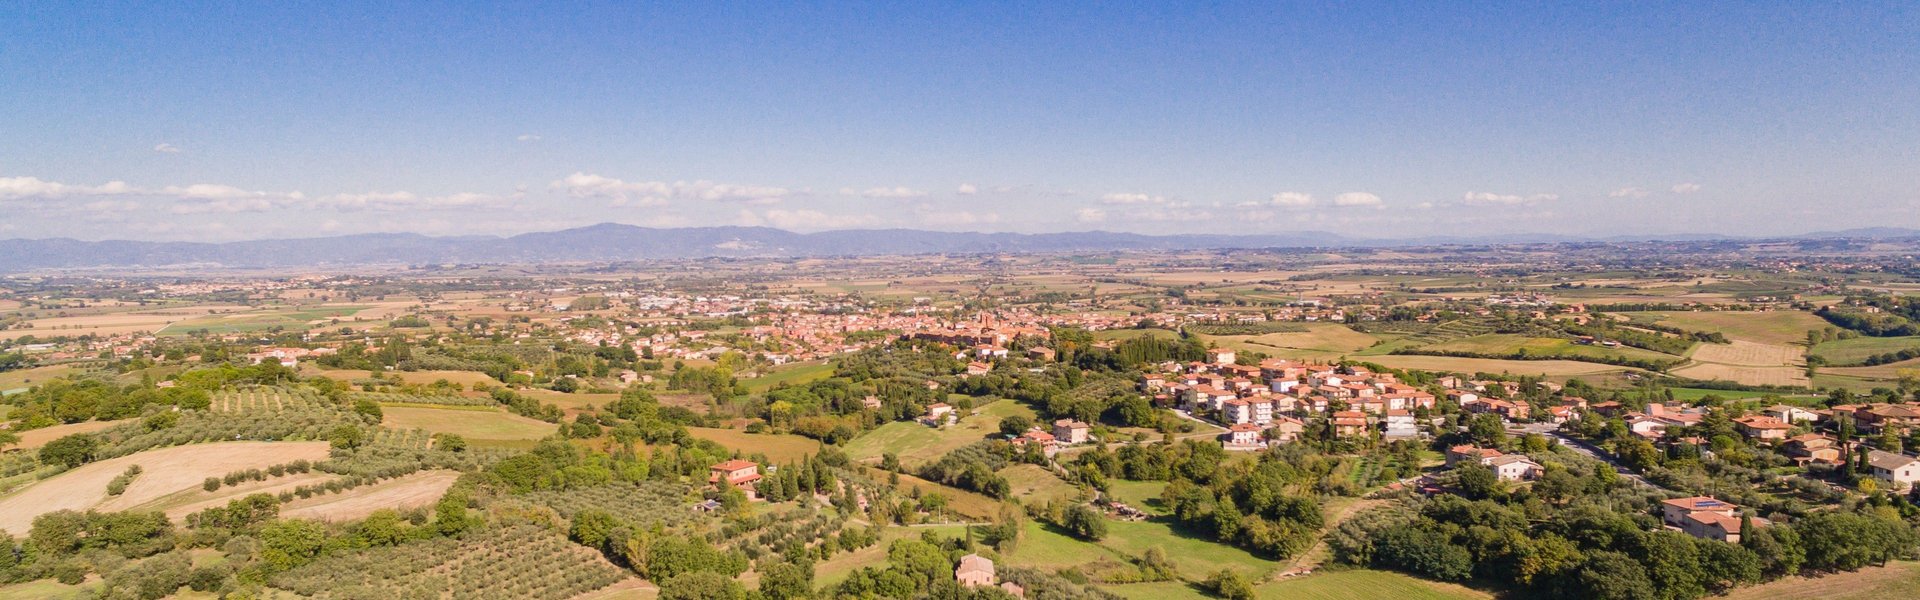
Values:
[(1686, 188), (527, 137), (967, 189), (1357, 199), (1490, 199), (1090, 215), (394, 201), (892, 192), (1132, 198), (1283, 200), (1627, 192), (165, 148), (20, 188)]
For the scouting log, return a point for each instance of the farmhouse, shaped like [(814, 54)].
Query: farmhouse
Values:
[(737, 473), (1069, 431), (975, 571), (1812, 448)]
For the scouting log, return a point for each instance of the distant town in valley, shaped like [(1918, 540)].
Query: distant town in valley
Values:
[(1699, 418)]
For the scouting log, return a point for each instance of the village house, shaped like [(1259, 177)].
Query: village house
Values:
[(1220, 356), (1514, 467), (1244, 436), (1792, 414), (1069, 431), (1471, 453), (1761, 427), (1704, 517), (1812, 448), (1040, 353), (1287, 429), (1400, 425), (975, 571), (1898, 471), (1349, 423), (979, 368)]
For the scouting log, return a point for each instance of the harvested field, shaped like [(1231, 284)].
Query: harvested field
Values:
[(1856, 350), (35, 438), (152, 321), (185, 502), (481, 425), (1745, 375), (411, 491), (778, 447), (1742, 352), (1896, 580), (166, 470)]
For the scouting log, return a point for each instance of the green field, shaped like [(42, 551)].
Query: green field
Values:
[(291, 319), (916, 444), (26, 378), (1772, 327), (1365, 584), (1045, 546), (483, 426), (1034, 484), (779, 448), (794, 374), (45, 589), (1505, 344), (1856, 350)]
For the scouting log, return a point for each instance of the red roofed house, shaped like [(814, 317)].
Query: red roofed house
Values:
[(737, 473), (1762, 427)]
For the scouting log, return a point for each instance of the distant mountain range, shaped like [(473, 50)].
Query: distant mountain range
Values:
[(614, 242)]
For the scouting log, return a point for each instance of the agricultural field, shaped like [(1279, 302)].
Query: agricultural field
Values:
[(1857, 350), (1896, 580), (1747, 362), (26, 378), (111, 322), (1503, 344), (1034, 484), (1780, 327), (916, 444), (779, 448), (1545, 368), (795, 374), (482, 426), (411, 491), (35, 438), (1320, 340), (283, 319), (519, 561), (1887, 372), (165, 471)]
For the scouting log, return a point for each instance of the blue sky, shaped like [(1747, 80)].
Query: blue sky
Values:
[(233, 121)]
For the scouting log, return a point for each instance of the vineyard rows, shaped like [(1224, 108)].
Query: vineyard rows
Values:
[(641, 503), (448, 400)]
